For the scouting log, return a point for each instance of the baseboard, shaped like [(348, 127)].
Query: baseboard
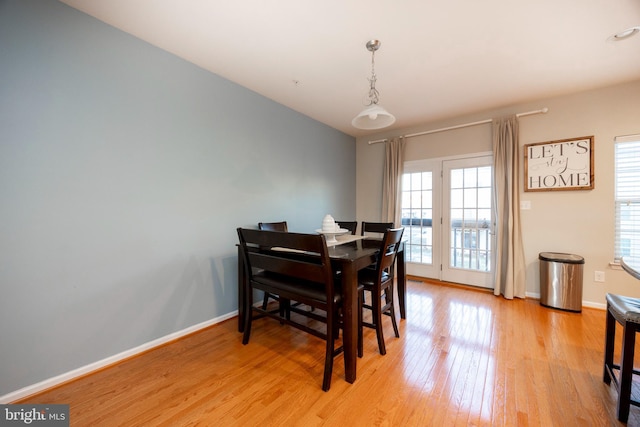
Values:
[(588, 304), (92, 367), (599, 306), (531, 295)]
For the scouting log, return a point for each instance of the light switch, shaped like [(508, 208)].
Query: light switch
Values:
[(525, 205)]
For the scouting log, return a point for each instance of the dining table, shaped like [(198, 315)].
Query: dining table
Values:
[(631, 265), (350, 255)]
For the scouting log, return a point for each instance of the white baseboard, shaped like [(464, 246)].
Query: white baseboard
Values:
[(590, 304), (598, 305), (87, 369)]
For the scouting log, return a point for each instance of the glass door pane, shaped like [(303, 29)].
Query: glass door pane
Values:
[(469, 241), (420, 187)]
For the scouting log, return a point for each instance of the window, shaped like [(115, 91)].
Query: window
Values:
[(417, 215), (627, 196)]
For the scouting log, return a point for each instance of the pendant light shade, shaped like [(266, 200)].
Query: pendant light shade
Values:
[(374, 116)]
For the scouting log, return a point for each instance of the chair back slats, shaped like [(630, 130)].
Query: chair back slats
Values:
[(294, 242), (388, 250), (375, 227), (352, 226), (295, 255), (292, 265), (273, 226)]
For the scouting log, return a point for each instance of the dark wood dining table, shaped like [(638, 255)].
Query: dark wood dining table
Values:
[(349, 258)]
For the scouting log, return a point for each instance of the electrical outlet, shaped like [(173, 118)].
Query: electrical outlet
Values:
[(599, 276), (525, 205)]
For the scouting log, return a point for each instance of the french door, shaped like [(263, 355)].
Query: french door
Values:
[(469, 236), (448, 219), (421, 186)]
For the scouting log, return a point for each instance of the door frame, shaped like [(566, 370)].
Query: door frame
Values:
[(440, 240)]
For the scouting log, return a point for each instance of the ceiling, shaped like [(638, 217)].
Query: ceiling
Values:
[(438, 59)]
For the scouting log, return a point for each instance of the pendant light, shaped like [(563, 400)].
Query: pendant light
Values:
[(374, 116)]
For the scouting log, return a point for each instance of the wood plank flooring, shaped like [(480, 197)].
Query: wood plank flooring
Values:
[(465, 358)]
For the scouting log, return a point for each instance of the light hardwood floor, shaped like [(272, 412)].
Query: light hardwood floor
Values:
[(464, 358)]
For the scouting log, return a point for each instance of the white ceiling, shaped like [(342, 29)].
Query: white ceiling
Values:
[(438, 59)]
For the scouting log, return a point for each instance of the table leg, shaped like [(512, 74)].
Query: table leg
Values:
[(350, 314), (402, 282)]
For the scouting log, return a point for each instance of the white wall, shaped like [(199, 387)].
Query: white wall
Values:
[(580, 222)]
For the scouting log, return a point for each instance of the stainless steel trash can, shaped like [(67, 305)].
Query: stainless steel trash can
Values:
[(561, 280)]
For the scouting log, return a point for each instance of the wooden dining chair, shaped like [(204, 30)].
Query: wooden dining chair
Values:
[(626, 312), (374, 229), (378, 228), (272, 226), (298, 269), (352, 226), (379, 283)]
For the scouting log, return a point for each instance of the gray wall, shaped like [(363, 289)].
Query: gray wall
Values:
[(124, 172)]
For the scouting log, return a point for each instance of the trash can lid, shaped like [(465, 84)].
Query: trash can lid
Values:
[(560, 257)]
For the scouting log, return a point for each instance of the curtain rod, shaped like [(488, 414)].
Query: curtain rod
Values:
[(480, 122)]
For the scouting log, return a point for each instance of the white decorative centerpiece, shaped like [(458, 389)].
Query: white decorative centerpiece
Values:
[(331, 229), (328, 224)]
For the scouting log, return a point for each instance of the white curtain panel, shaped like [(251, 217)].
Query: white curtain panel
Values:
[(392, 181), (509, 254)]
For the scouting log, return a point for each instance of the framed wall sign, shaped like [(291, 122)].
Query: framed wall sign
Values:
[(566, 164)]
